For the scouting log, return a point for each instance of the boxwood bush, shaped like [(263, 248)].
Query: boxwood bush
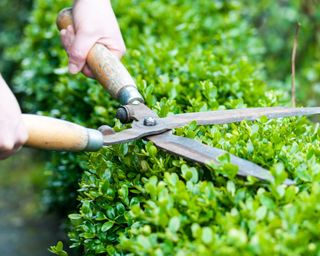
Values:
[(135, 199)]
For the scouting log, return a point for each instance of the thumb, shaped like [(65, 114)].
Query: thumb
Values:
[(78, 52)]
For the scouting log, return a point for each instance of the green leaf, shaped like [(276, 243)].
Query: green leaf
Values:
[(174, 224), (58, 249), (74, 216), (106, 226), (207, 235), (231, 187), (261, 213)]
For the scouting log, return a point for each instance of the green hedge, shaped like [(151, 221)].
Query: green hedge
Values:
[(133, 198)]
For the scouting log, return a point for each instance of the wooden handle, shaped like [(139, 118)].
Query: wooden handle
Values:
[(54, 134), (107, 69)]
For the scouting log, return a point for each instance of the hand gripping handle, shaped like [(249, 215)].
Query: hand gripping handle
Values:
[(107, 69), (55, 134)]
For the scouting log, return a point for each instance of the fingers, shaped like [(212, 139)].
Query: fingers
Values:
[(9, 148), (11, 145), (67, 38), (94, 22), (116, 48), (6, 154), (78, 47), (79, 50), (87, 71), (13, 132), (76, 50)]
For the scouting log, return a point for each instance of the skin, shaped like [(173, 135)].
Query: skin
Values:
[(94, 22), (13, 132)]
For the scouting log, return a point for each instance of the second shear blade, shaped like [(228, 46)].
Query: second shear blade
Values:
[(204, 154)]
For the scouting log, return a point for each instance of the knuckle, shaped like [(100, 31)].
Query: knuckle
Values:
[(63, 32), (21, 135), (69, 28), (7, 145), (24, 136), (76, 55)]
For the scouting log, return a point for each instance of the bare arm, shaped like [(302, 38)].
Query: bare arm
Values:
[(13, 133)]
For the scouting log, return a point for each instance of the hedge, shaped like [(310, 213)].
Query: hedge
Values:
[(135, 199)]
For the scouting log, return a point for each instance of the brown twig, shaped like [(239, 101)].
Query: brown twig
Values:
[(293, 69)]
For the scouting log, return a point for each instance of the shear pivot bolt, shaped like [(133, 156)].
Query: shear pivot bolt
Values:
[(122, 115), (149, 121)]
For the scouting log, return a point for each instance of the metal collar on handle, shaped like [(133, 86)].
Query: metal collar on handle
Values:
[(130, 95)]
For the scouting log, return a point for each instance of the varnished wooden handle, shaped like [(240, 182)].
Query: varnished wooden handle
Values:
[(107, 69), (55, 134)]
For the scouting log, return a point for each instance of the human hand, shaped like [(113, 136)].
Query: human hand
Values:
[(13, 132), (94, 22)]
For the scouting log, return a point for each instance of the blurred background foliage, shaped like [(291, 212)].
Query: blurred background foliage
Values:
[(275, 23), (14, 15), (251, 41)]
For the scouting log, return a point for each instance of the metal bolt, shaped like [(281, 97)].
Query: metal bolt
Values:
[(123, 115), (106, 130), (149, 121)]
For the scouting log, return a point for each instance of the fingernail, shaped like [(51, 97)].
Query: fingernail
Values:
[(63, 32), (73, 69)]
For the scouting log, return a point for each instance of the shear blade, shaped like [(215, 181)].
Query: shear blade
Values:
[(236, 115), (203, 154), (139, 130)]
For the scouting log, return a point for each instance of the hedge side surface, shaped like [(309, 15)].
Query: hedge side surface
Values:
[(136, 199)]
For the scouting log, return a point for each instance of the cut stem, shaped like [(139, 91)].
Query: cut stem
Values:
[(293, 62)]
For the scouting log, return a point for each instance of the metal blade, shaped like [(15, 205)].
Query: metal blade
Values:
[(131, 135), (203, 154), (236, 115), (139, 130)]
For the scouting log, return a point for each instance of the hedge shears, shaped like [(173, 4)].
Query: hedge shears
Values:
[(54, 134)]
